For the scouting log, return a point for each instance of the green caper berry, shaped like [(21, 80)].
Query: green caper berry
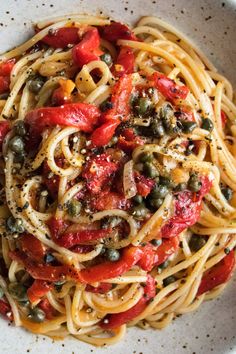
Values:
[(1, 292), (20, 128), (11, 224), (19, 158), (146, 157), (167, 281), (163, 265), (18, 291), (156, 242), (105, 105), (180, 187), (140, 211), (138, 199), (110, 222), (112, 255), (106, 57), (156, 203), (227, 193), (24, 303), (157, 129), (16, 144), (166, 181), (188, 127), (150, 170), (143, 106), (35, 85), (139, 167), (207, 124), (194, 184), (196, 242), (37, 315), (74, 208), (160, 191)]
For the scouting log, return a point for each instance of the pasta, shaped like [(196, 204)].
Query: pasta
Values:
[(118, 197)]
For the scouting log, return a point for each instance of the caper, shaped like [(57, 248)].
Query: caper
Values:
[(156, 203), (110, 222), (165, 181), (18, 291), (37, 315), (207, 124), (180, 187), (167, 281), (156, 242), (194, 184), (162, 266), (1, 292), (146, 157), (143, 106), (106, 57), (74, 208), (157, 129), (159, 191), (19, 158), (14, 225), (105, 105), (196, 242), (187, 126), (138, 199), (140, 211), (150, 170), (35, 85), (112, 254), (20, 128), (16, 144), (227, 193)]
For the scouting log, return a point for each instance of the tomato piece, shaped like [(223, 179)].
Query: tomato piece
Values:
[(38, 289), (102, 288), (5, 310), (169, 88), (47, 308), (109, 200), (44, 271), (128, 140), (124, 63), (4, 84), (57, 227), (98, 172), (117, 30), (217, 275), (61, 37), (71, 239), (80, 115), (144, 184), (108, 270), (187, 210), (118, 319), (4, 129), (62, 95), (32, 247), (103, 134), (87, 49), (223, 118), (50, 179)]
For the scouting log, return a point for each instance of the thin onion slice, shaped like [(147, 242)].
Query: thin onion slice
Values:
[(129, 184)]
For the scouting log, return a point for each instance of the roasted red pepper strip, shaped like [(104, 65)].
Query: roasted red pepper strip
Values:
[(88, 49), (81, 115), (187, 210), (103, 134), (128, 140), (217, 275), (38, 289), (109, 200), (118, 319), (169, 88), (144, 184), (32, 247), (153, 257), (124, 63), (60, 38), (5, 310), (108, 270), (5, 71), (47, 308), (102, 288), (70, 239), (4, 129), (44, 271), (98, 171), (117, 30)]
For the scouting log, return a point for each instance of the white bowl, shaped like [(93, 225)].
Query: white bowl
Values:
[(211, 24)]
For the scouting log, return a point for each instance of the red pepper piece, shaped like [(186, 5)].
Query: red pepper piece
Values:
[(4, 129), (144, 184), (117, 30), (5, 310), (124, 63), (47, 308), (61, 37), (70, 239), (32, 247), (169, 88), (88, 49), (38, 289), (128, 140), (102, 288)]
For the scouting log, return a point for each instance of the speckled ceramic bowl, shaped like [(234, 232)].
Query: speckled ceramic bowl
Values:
[(212, 25)]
